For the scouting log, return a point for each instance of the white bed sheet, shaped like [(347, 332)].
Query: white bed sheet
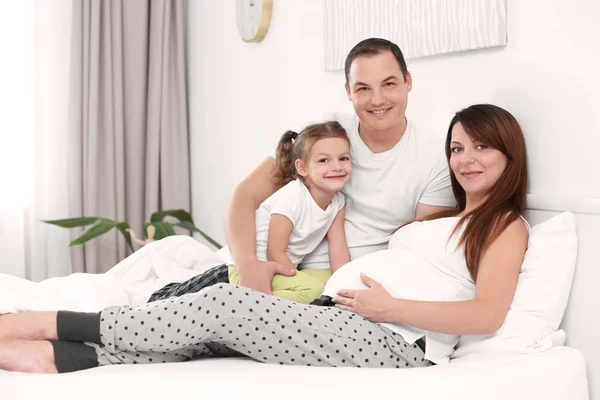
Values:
[(558, 373)]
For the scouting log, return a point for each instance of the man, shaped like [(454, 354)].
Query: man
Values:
[(398, 173)]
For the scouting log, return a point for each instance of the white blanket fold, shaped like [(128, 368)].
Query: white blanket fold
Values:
[(131, 282)]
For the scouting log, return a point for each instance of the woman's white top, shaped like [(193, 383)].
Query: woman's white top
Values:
[(438, 272)]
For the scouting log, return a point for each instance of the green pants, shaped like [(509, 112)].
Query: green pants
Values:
[(304, 287)]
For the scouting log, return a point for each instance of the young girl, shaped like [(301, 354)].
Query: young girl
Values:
[(312, 166)]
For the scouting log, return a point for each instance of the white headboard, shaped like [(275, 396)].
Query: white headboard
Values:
[(582, 318)]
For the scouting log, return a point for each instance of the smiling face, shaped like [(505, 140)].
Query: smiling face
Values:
[(477, 166), (379, 92), (328, 166)]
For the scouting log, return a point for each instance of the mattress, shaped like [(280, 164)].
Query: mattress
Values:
[(558, 373)]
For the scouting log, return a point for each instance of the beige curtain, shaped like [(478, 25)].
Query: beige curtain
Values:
[(128, 128)]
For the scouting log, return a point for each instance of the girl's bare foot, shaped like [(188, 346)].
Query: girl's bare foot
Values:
[(28, 326), (27, 356)]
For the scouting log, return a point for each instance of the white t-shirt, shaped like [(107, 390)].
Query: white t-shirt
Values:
[(385, 188), (310, 221)]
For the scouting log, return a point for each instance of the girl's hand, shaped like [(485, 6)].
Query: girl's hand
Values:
[(373, 304)]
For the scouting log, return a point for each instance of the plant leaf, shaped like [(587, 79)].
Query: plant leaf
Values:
[(163, 229), (180, 214), (73, 222), (122, 227), (192, 228), (100, 227)]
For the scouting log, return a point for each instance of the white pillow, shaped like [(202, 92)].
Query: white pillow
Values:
[(540, 298)]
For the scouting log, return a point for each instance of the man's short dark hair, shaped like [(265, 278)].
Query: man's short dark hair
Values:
[(371, 47)]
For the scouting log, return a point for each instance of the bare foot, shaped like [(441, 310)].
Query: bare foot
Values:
[(27, 356), (28, 326)]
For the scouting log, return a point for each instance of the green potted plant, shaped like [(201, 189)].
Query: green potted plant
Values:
[(156, 229)]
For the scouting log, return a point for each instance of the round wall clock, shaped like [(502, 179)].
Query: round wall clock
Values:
[(253, 18)]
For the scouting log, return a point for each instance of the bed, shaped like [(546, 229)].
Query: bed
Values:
[(556, 371)]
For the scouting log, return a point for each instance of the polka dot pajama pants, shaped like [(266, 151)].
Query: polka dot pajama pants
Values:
[(226, 320)]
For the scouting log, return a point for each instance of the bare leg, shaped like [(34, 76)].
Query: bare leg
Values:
[(28, 326), (35, 356)]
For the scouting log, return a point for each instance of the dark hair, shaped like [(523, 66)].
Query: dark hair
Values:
[(293, 146), (372, 47), (498, 129)]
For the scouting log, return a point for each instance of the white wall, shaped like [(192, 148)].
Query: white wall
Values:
[(243, 96)]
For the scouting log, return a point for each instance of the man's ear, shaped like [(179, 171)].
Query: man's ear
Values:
[(408, 81), (348, 90), (300, 168)]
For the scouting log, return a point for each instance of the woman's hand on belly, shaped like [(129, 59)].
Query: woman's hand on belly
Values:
[(374, 304)]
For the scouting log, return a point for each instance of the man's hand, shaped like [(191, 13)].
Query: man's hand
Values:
[(373, 304), (257, 275)]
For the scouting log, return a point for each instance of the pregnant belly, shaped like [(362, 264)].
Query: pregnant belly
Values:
[(403, 274)]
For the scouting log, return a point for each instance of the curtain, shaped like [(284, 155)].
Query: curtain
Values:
[(94, 109), (33, 170), (128, 128)]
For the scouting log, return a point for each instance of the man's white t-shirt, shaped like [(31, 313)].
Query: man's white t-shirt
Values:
[(311, 223), (384, 188)]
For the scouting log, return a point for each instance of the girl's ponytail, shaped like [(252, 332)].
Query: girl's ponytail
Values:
[(285, 170)]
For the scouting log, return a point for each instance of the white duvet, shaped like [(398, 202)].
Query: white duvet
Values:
[(132, 281)]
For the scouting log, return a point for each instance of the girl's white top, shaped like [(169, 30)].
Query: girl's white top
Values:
[(311, 223)]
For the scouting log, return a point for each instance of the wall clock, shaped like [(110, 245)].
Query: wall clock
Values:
[(253, 18)]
